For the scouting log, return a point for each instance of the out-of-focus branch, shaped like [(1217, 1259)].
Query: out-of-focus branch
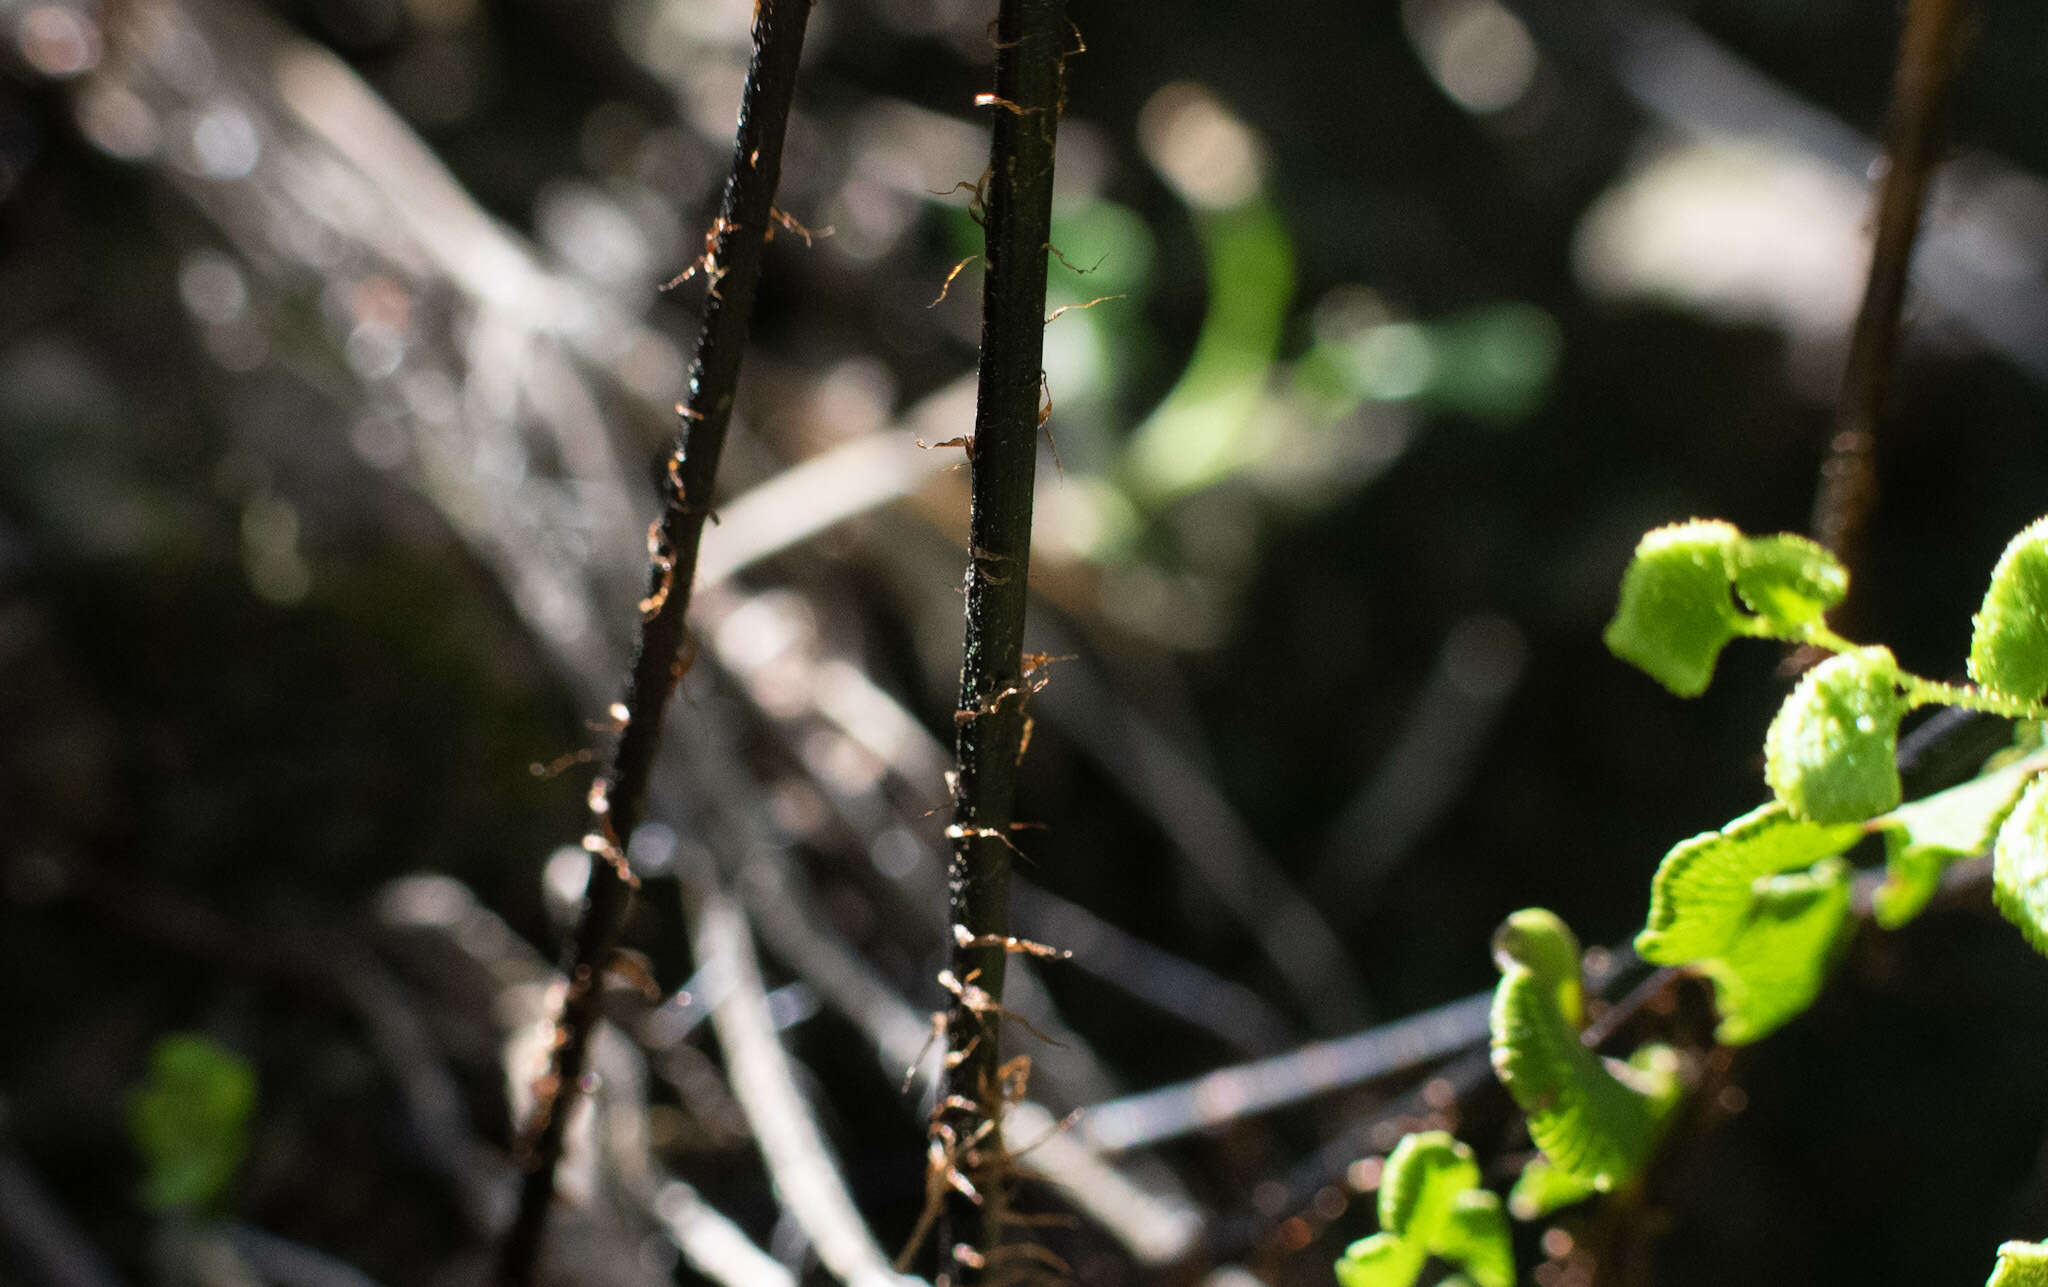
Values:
[(1231, 1094), (1157, 1224), (1214, 840), (714, 1245), (852, 478), (731, 266), (38, 1238), (1140, 1204), (1439, 1103), (1928, 53), (1224, 1008), (282, 1262), (762, 1082), (1430, 764), (477, 961), (1980, 258)]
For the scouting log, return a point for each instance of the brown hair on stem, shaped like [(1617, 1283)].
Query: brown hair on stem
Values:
[(1031, 48), (732, 262)]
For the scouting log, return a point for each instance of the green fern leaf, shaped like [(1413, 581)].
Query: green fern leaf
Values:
[(1476, 1237), (1595, 1118), (2009, 647), (1431, 1204), (1383, 1260), (2020, 1264), (1832, 752), (1775, 967), (1423, 1177), (1676, 613), (2019, 865), (1703, 888), (1542, 1188), (1921, 839), (1911, 877), (190, 1121), (1788, 581)]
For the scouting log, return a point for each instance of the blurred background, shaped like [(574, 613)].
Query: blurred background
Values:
[(333, 377)]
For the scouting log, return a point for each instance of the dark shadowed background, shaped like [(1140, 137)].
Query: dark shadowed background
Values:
[(333, 376)]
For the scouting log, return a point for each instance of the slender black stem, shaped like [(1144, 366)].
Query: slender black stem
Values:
[(1929, 50), (1031, 49), (732, 269)]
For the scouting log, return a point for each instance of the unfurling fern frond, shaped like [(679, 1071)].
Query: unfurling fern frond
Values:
[(1595, 1119)]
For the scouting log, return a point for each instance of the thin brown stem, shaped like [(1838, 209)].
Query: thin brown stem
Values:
[(732, 268), (1031, 49), (1929, 50)]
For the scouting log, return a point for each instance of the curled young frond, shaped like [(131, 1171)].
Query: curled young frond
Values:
[(1597, 1119)]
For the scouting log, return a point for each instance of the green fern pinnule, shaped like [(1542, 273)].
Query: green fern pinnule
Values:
[(1597, 1119), (1676, 613), (1702, 890), (1383, 1260), (1677, 608), (1831, 755), (1788, 581), (190, 1121), (1921, 839), (1422, 1179), (2009, 645), (2019, 865), (1476, 1236), (2020, 1264), (1431, 1204), (1779, 961), (1543, 1188)]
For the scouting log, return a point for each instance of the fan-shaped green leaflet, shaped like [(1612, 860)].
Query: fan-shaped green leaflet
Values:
[(1703, 888), (1831, 755), (2019, 865), (1677, 612), (1788, 581), (1922, 838), (1775, 966), (2009, 645)]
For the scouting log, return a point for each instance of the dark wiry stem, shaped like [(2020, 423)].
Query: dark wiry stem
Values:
[(1928, 53), (732, 268), (1031, 48)]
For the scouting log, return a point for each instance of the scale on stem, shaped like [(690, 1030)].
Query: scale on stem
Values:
[(745, 220), (1032, 40)]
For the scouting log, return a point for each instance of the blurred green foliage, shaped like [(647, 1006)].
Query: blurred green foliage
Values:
[(190, 1122)]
